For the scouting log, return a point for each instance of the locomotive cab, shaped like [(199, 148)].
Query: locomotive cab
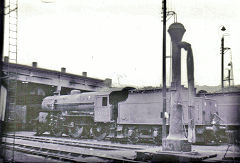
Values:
[(105, 111), (102, 110), (106, 105)]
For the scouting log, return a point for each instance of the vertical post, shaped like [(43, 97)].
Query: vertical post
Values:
[(1, 35), (222, 65), (229, 78), (2, 4), (164, 70)]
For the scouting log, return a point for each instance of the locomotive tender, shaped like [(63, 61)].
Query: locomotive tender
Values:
[(126, 113)]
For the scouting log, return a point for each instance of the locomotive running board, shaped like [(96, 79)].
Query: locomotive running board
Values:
[(161, 156)]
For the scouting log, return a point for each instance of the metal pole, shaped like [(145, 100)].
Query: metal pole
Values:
[(2, 4), (229, 78), (1, 34), (222, 65), (164, 70)]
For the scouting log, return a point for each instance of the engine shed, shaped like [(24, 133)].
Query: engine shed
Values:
[(34, 84)]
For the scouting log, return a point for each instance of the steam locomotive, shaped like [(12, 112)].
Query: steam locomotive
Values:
[(127, 114), (135, 115)]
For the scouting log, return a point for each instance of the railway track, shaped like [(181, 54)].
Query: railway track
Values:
[(68, 150), (74, 143)]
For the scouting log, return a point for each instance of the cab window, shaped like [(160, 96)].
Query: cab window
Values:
[(104, 101)]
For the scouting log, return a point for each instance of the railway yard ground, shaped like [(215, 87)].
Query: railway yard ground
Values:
[(30, 148)]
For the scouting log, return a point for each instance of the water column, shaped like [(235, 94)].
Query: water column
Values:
[(176, 140)]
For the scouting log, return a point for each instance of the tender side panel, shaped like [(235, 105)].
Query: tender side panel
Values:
[(140, 113), (146, 108), (185, 111), (198, 111), (142, 108)]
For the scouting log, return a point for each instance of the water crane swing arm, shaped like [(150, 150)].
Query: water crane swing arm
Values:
[(190, 66), (191, 90)]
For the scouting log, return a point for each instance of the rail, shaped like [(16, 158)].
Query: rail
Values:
[(66, 154)]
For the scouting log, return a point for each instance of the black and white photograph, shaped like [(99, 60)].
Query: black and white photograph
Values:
[(119, 81)]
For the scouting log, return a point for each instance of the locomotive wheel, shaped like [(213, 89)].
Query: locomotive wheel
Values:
[(157, 136), (100, 131), (157, 139), (76, 131), (133, 136), (209, 138), (87, 131), (56, 128), (55, 131), (39, 130)]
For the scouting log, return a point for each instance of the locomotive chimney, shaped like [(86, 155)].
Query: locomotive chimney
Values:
[(63, 70), (34, 64), (176, 140), (6, 59), (108, 82), (84, 74)]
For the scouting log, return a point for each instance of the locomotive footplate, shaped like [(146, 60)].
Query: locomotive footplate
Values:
[(163, 156)]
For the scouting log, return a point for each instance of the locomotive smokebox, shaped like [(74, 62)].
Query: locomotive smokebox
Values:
[(176, 140)]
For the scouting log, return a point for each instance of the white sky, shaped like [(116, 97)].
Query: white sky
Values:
[(122, 39)]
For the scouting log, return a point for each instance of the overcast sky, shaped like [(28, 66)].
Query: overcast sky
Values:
[(122, 39)]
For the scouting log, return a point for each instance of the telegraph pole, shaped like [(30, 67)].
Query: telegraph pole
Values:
[(222, 65), (2, 2), (164, 134), (222, 53), (1, 34)]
